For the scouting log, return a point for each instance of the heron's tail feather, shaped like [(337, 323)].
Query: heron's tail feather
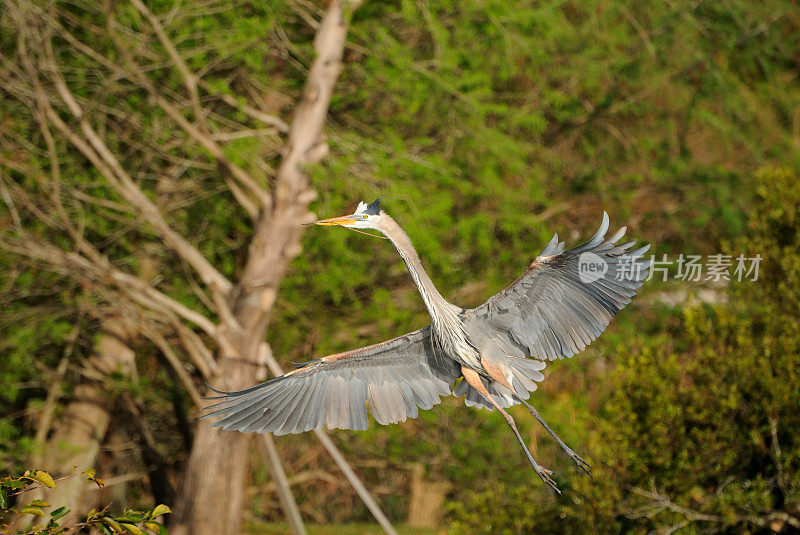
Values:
[(522, 374)]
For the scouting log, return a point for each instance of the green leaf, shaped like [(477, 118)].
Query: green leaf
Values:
[(44, 478), (133, 529), (3, 500), (110, 522), (155, 527), (40, 503), (159, 510), (58, 513), (133, 517), (32, 510)]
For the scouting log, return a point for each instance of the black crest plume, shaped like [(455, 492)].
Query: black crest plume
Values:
[(374, 208)]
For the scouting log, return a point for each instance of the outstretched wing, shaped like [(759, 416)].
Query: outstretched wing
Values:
[(394, 377), (566, 298)]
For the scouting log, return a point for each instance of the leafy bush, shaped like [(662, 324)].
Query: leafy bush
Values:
[(130, 522)]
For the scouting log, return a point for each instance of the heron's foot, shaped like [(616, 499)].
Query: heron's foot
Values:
[(577, 459), (545, 474)]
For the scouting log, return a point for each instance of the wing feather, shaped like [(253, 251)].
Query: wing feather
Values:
[(393, 378), (553, 310), (314, 418)]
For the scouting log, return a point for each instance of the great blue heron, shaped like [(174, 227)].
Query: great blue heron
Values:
[(562, 302)]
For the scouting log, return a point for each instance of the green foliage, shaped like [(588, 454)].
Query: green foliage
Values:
[(130, 522)]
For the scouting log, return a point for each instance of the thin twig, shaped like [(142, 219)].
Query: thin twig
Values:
[(247, 109), (189, 79), (123, 183), (174, 362)]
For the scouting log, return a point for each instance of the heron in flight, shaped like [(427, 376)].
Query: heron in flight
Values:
[(493, 354)]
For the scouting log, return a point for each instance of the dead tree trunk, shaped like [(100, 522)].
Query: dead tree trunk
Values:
[(76, 440), (212, 495), (218, 461)]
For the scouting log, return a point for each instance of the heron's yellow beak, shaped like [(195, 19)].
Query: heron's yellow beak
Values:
[(341, 221)]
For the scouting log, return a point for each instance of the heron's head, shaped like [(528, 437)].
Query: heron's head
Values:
[(365, 216)]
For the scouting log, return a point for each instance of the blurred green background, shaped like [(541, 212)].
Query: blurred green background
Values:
[(489, 125)]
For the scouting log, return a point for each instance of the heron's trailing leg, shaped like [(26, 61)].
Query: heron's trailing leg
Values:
[(497, 374), (583, 465), (475, 382)]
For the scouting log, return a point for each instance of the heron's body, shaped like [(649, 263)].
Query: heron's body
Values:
[(497, 349)]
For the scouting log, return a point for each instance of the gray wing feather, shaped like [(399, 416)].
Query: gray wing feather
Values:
[(551, 312), (379, 404), (394, 378)]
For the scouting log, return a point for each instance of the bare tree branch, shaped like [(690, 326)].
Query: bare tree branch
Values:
[(282, 487), (138, 77), (202, 357), (247, 109), (102, 158), (174, 362), (189, 79), (660, 502), (128, 189), (73, 263)]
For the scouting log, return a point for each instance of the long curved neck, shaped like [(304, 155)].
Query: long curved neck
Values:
[(438, 307)]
